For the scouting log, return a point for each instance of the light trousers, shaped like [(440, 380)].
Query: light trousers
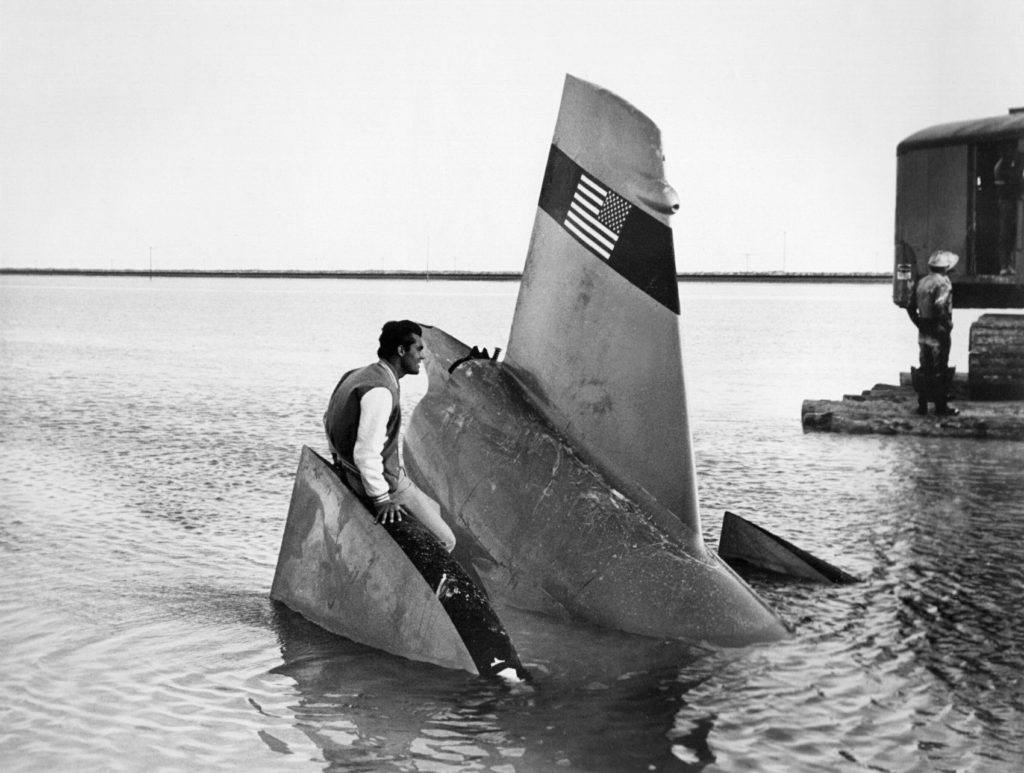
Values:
[(423, 509)]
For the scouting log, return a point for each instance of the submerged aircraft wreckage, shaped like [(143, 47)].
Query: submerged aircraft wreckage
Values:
[(566, 470)]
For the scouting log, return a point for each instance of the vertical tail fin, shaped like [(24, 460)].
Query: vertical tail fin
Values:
[(595, 336)]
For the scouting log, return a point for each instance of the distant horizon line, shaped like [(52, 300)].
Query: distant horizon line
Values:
[(691, 276)]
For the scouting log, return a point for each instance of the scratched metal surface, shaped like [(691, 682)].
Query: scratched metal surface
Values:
[(149, 431)]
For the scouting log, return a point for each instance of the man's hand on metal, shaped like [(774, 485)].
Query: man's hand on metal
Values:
[(388, 511)]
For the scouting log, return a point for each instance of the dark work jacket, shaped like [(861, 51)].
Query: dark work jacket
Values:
[(934, 297)]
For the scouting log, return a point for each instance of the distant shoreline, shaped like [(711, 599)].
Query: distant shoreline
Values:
[(737, 276)]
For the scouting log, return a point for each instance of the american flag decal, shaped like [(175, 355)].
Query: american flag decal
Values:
[(616, 232), (596, 216)]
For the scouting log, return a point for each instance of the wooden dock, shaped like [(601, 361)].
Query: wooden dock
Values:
[(887, 409)]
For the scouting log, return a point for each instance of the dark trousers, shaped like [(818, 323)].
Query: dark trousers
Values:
[(933, 355)]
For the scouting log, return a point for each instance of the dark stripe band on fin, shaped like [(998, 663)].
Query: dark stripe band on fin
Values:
[(640, 249)]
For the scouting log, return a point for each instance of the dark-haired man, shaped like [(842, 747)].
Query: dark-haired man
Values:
[(363, 422)]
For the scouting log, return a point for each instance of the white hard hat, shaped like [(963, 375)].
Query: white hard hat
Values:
[(943, 259)]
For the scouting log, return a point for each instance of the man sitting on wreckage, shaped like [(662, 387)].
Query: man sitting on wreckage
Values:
[(362, 422)]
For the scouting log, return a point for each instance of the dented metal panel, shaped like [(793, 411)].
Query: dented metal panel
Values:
[(340, 569), (595, 338), (550, 531)]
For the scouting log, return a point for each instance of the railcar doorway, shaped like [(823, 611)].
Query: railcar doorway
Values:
[(995, 243)]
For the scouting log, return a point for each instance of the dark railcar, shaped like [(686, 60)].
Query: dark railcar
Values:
[(959, 187)]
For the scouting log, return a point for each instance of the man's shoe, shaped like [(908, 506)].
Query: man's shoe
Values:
[(946, 411), (922, 410)]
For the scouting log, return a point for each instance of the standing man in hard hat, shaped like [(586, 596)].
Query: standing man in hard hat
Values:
[(931, 310)]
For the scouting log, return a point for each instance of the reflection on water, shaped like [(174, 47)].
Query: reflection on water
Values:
[(361, 707), (149, 432)]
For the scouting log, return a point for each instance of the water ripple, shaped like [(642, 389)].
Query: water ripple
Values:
[(148, 438)]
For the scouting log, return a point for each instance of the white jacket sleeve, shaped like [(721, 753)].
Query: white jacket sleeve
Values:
[(374, 410)]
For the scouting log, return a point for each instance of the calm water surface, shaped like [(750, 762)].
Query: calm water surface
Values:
[(149, 432)]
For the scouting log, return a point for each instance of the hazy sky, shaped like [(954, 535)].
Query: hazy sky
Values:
[(347, 135)]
